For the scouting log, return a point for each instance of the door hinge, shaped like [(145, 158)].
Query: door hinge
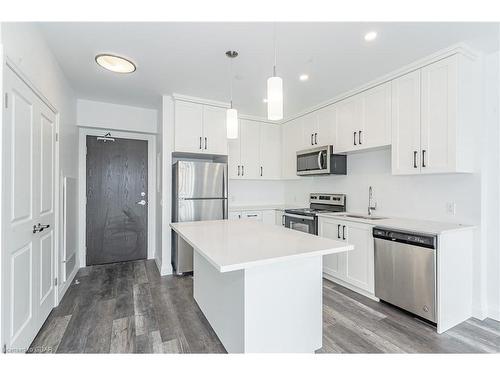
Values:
[(6, 100), (55, 281)]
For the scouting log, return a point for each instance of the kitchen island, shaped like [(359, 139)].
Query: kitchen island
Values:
[(259, 285)]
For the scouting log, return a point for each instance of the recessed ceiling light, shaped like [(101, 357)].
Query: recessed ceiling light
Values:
[(372, 35), (303, 77), (115, 64), (264, 100)]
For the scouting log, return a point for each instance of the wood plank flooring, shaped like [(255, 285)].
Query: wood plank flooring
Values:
[(129, 308)]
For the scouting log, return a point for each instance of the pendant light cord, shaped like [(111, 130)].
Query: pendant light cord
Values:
[(274, 43), (231, 80)]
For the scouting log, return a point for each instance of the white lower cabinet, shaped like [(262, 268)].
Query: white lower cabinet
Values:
[(234, 215), (268, 217), (355, 268)]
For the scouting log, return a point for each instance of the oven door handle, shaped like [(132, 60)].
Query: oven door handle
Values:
[(311, 218), (320, 164)]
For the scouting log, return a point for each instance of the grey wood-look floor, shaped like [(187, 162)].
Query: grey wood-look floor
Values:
[(129, 308)]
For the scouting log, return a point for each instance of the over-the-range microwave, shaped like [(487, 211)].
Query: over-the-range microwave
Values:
[(320, 160)]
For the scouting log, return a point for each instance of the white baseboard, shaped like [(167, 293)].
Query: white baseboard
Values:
[(164, 269), (479, 313), (494, 314), (351, 287)]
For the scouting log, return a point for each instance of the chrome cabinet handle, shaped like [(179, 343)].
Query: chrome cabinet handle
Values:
[(312, 137), (414, 159), (238, 170), (359, 137), (200, 144), (242, 170), (142, 202), (343, 232), (205, 143), (261, 171), (39, 227), (338, 231), (355, 144), (423, 159), (283, 220), (315, 138)]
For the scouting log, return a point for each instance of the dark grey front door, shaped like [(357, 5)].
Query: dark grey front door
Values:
[(117, 182)]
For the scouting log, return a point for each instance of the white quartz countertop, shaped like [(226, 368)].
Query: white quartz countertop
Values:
[(412, 225), (231, 245)]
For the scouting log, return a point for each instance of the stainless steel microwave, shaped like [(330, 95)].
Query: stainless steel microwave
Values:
[(320, 160)]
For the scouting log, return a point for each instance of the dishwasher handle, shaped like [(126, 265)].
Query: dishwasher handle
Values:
[(428, 241)]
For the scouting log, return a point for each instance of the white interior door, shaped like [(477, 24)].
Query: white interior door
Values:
[(28, 182)]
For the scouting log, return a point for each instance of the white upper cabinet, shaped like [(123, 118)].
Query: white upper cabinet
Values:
[(214, 130), (433, 113), (326, 133), (188, 127), (406, 124), (200, 128), (256, 154), (349, 123), (309, 124), (375, 130), (270, 151)]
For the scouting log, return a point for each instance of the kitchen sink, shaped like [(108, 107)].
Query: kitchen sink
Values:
[(364, 217)]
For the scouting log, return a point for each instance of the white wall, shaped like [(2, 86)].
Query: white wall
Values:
[(255, 192), (26, 48), (115, 116)]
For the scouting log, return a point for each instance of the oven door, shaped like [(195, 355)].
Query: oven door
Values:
[(306, 224), (315, 161)]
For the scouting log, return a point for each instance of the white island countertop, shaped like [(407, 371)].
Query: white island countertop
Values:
[(230, 245)]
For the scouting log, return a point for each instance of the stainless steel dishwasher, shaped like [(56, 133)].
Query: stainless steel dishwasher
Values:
[(405, 270)]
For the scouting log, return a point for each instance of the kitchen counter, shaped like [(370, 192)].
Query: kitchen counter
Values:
[(412, 225), (259, 285)]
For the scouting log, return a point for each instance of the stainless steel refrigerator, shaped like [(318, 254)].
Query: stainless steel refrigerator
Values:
[(199, 192)]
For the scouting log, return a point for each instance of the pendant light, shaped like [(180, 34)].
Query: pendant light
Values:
[(274, 91), (232, 113)]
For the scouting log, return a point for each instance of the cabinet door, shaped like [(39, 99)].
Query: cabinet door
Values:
[(326, 133), (349, 122), (406, 124), (439, 109), (269, 217), (249, 144), (359, 263), (376, 130), (291, 136), (234, 215), (280, 217), (188, 127), (214, 130), (309, 126), (333, 264), (270, 151), (234, 156)]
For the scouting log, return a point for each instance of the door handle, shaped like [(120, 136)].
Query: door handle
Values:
[(39, 227), (355, 144), (238, 170), (343, 232), (200, 143), (142, 202), (205, 143), (315, 138), (338, 231), (414, 159), (312, 141), (359, 137), (423, 159)]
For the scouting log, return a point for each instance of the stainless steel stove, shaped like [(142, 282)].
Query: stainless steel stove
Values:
[(306, 220)]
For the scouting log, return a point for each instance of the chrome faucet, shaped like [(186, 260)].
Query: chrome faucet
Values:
[(371, 205)]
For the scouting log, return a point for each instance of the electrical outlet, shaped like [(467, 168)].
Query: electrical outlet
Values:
[(451, 208)]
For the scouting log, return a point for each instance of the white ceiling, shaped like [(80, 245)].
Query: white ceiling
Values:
[(188, 58)]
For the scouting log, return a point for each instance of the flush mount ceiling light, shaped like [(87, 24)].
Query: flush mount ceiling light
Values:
[(231, 114), (369, 36), (274, 91), (304, 77), (115, 64)]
